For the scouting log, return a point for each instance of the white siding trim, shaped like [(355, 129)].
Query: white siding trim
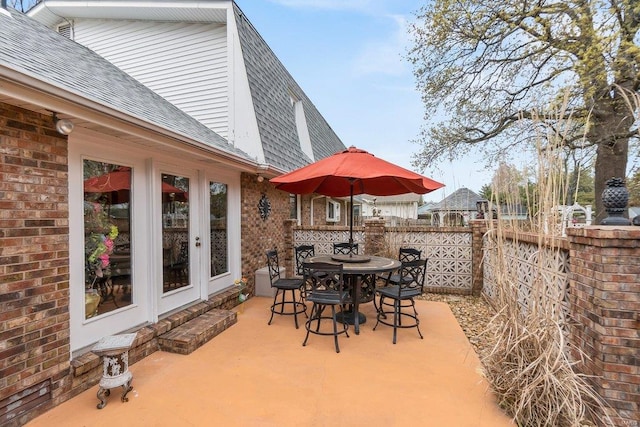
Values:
[(303, 130), (243, 125), (185, 63)]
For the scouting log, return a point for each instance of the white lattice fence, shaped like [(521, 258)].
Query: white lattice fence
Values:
[(323, 240), (528, 264), (450, 258)]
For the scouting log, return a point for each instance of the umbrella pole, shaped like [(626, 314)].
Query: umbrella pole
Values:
[(351, 220)]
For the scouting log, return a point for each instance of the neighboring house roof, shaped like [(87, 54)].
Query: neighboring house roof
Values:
[(462, 199), (271, 89), (33, 50), (426, 208)]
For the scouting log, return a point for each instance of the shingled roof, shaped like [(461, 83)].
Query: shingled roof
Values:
[(271, 87), (462, 199), (33, 50)]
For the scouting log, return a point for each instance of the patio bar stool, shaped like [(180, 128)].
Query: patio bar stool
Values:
[(284, 287), (394, 278), (326, 289), (409, 286)]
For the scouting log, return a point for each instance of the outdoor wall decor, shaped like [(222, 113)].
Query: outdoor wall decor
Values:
[(264, 207)]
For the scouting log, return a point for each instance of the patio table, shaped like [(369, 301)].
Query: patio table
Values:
[(355, 266)]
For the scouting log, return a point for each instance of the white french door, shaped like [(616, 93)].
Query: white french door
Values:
[(177, 240), (178, 243)]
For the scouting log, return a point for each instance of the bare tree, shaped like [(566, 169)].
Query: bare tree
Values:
[(494, 65)]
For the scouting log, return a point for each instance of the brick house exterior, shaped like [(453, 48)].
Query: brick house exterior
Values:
[(34, 260), (44, 360)]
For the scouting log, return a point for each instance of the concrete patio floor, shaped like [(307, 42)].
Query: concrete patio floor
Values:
[(259, 375)]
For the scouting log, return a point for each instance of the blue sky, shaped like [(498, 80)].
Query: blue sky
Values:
[(348, 57)]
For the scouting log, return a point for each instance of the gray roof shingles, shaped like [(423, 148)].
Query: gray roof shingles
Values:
[(271, 85), (31, 48), (462, 199)]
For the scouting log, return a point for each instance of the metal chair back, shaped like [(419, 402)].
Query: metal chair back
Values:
[(345, 249), (326, 279), (412, 274), (408, 254), (273, 265), (303, 252)]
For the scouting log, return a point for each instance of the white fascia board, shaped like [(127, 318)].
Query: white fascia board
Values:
[(52, 12), (55, 99)]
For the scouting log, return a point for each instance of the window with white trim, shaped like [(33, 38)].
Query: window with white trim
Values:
[(333, 211)]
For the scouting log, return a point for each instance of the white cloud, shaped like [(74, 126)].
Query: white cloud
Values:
[(385, 55)]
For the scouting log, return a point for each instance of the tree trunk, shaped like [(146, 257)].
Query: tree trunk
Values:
[(611, 162), (610, 129)]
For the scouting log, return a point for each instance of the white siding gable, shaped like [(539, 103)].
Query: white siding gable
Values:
[(185, 63)]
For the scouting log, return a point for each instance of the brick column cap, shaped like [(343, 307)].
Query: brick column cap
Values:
[(626, 232)]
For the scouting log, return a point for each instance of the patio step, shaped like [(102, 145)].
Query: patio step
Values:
[(196, 332)]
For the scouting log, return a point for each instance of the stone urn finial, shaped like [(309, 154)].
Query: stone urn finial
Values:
[(615, 198)]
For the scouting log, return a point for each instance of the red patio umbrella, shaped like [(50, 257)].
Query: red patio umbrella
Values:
[(354, 171), (118, 183)]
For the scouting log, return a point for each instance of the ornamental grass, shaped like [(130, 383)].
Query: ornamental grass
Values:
[(531, 365)]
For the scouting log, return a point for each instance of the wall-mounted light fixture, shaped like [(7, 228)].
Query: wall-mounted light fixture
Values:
[(260, 169), (63, 126)]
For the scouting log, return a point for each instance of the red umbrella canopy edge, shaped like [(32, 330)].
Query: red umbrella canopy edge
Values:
[(334, 175), (119, 181)]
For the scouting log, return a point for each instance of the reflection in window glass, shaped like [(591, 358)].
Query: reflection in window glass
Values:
[(175, 232), (218, 227), (107, 231), (293, 206)]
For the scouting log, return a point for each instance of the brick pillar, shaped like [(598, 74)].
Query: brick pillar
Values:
[(34, 265), (605, 313), (478, 229), (374, 241)]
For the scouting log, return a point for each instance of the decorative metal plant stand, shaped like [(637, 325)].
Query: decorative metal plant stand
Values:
[(114, 351)]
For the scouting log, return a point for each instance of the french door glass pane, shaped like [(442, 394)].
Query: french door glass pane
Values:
[(218, 227), (107, 242), (175, 232)]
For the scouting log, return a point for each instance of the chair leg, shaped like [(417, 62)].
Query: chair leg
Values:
[(319, 312), (396, 315), (335, 327), (379, 313), (380, 308), (314, 310), (295, 307), (273, 306), (413, 304)]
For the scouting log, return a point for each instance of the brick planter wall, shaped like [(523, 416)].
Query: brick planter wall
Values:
[(605, 309), (34, 264)]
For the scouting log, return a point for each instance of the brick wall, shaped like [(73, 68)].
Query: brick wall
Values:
[(605, 308), (34, 260), (260, 235)]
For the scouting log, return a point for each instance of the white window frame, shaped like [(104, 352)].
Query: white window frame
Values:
[(333, 211)]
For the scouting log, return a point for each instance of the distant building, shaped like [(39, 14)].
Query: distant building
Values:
[(403, 206), (456, 209)]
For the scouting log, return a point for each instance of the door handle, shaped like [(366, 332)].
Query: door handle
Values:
[(197, 242)]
